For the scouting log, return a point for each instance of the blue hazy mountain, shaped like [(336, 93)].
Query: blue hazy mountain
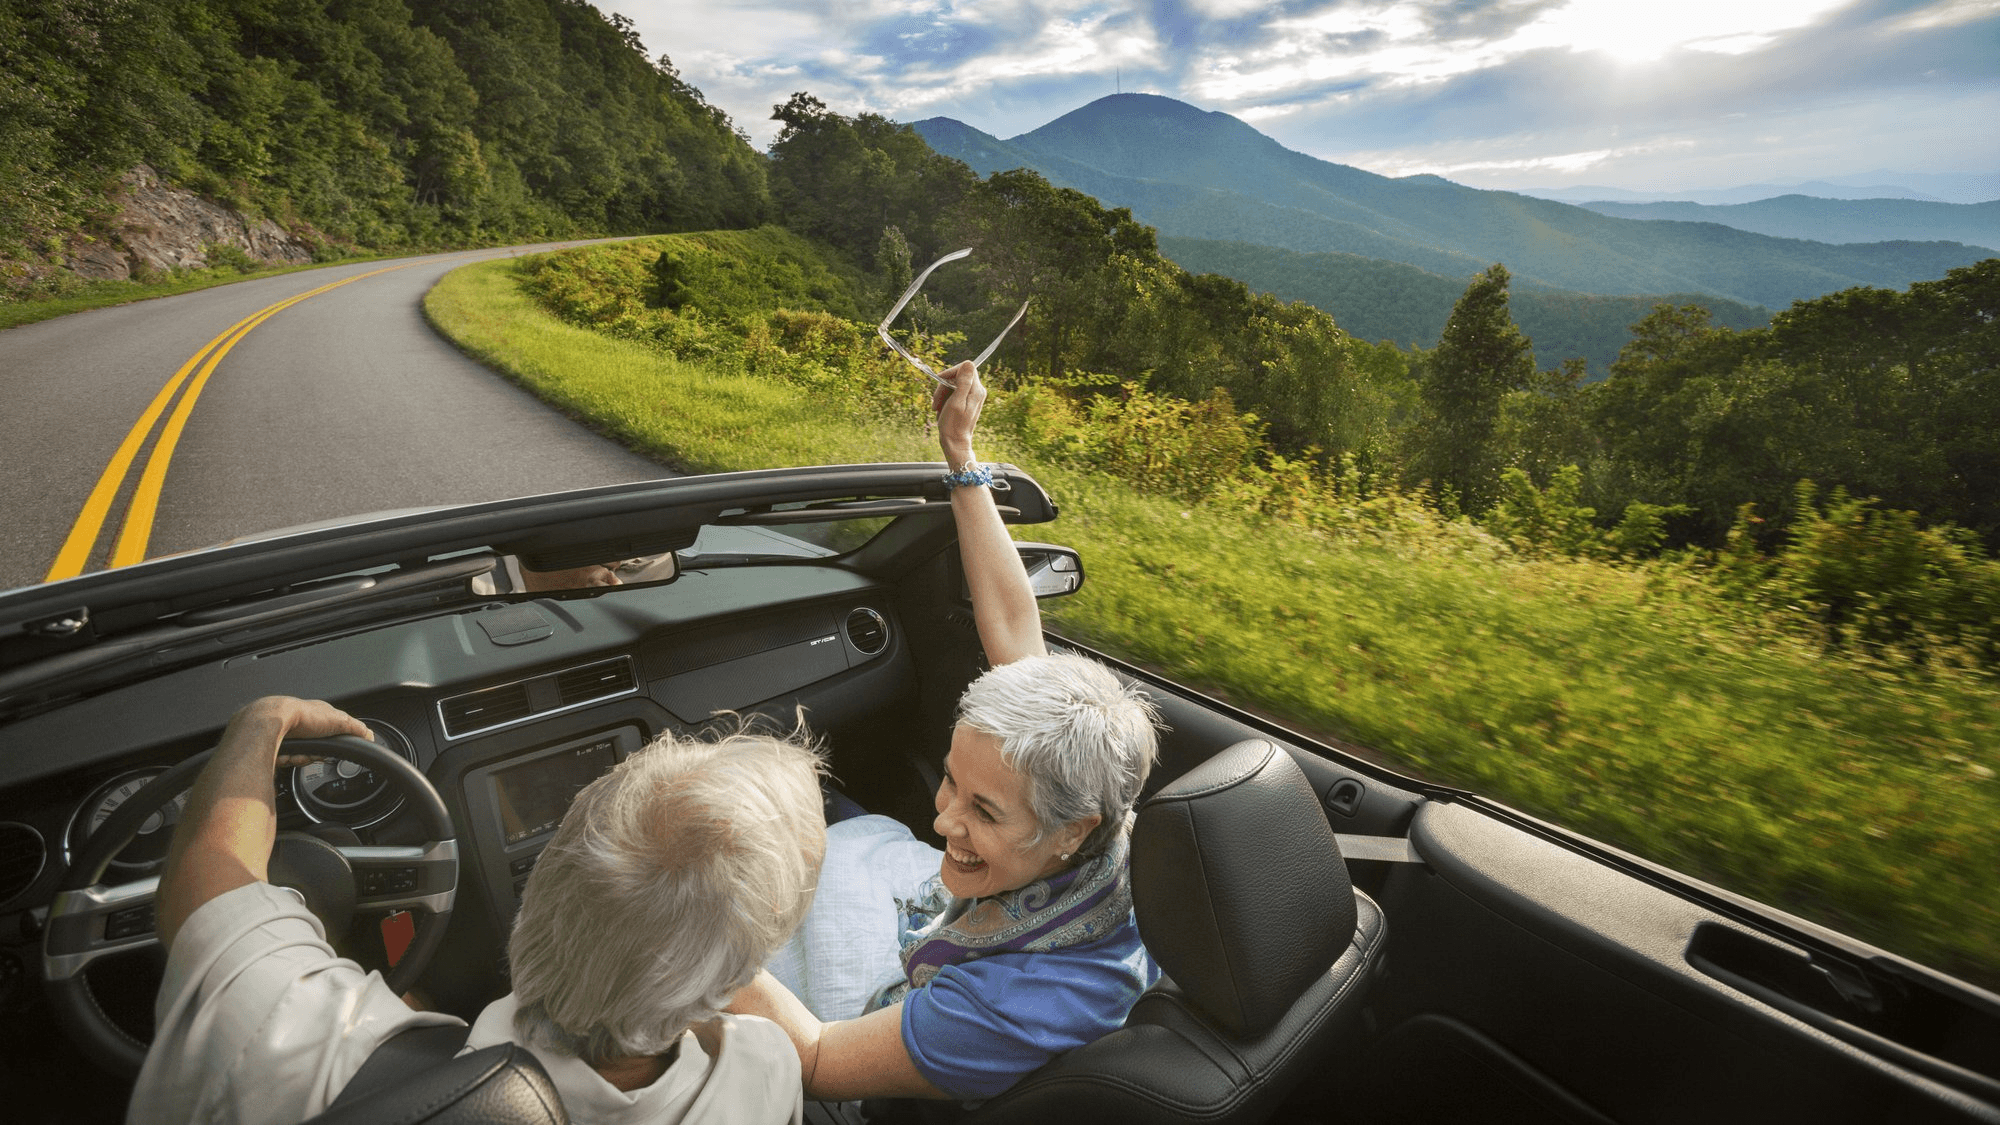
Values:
[(1203, 175), (1833, 220), (1934, 187), (1746, 193)]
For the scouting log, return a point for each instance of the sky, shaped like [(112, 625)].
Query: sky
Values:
[(1637, 94)]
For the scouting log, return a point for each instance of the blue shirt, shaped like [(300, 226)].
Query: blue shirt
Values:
[(978, 1026)]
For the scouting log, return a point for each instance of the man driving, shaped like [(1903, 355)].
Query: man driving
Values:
[(671, 880)]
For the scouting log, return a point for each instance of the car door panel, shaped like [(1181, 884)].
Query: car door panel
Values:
[(1579, 974)]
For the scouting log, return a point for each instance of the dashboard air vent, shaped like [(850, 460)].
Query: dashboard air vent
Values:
[(867, 631), (21, 857), (594, 681), (479, 710), (476, 712)]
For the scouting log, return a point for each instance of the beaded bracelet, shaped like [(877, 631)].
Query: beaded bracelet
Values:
[(969, 473)]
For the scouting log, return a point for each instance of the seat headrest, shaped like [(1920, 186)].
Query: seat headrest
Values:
[(1241, 893)]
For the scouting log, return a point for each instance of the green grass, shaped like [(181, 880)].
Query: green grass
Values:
[(1632, 705), (677, 411), (104, 294)]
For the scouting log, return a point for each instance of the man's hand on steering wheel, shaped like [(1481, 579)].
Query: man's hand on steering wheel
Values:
[(227, 838), (225, 834)]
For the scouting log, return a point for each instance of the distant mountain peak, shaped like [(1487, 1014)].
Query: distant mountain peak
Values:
[(1153, 113), (948, 126)]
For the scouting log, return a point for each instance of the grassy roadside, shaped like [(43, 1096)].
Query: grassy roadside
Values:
[(104, 294), (1629, 704), (679, 412)]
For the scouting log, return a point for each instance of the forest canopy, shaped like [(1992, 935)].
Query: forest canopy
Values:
[(379, 123)]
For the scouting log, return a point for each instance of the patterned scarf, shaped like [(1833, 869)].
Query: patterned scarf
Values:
[(1071, 907)]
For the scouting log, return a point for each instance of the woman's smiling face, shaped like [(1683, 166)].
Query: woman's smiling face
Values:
[(984, 817)]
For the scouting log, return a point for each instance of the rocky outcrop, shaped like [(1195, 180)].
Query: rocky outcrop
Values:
[(160, 228)]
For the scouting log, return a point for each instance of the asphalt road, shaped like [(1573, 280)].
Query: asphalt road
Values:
[(341, 404)]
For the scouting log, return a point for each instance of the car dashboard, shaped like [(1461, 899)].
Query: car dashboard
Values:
[(509, 706)]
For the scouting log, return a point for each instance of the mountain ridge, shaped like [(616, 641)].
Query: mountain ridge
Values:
[(1202, 174), (1837, 221), (1937, 187)]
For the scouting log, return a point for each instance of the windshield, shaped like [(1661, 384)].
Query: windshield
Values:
[(787, 540)]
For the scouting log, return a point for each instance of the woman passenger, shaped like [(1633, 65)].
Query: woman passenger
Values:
[(1022, 946)]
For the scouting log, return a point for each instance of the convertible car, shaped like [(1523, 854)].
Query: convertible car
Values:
[(1341, 943)]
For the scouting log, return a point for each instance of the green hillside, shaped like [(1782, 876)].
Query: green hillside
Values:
[(373, 123), (1379, 300)]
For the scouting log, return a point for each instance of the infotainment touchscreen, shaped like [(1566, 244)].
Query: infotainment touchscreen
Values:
[(533, 796)]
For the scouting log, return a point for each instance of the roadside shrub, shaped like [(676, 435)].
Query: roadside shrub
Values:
[(1545, 522), (1864, 578), (1167, 445), (839, 361), (1642, 529), (1874, 577), (228, 256)]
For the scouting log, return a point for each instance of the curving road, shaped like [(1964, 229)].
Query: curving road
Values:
[(341, 403)]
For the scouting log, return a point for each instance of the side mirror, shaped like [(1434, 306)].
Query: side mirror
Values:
[(1053, 571)]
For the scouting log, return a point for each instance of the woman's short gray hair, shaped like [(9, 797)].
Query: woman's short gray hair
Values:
[(1084, 739), (671, 880)]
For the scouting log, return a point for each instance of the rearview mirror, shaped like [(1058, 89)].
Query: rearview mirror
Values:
[(1052, 571), (513, 576)]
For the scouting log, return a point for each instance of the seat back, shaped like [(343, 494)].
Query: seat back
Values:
[(1243, 899), (497, 1085)]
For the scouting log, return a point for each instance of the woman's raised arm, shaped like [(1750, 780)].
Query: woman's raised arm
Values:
[(1003, 604)]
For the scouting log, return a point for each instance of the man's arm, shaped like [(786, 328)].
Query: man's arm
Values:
[(1003, 604), (225, 834)]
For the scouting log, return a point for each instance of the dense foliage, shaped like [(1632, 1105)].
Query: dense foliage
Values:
[(1375, 299), (1887, 394), (383, 123)]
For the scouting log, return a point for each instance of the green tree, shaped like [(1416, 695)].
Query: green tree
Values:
[(1543, 427), (844, 179), (1055, 248), (1479, 359)]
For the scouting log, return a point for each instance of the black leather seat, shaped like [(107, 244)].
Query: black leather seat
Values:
[(417, 1078), (1244, 900)]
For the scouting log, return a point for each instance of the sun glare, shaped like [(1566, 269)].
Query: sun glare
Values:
[(1643, 32)]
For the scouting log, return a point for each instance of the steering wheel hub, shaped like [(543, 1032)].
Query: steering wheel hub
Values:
[(320, 874)]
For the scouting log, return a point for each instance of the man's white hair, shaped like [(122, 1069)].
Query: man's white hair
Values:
[(672, 879), (1083, 739)]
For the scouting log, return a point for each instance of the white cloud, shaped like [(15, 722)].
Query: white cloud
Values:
[(1227, 9), (1640, 32), (1551, 165), (1950, 13), (1266, 112)]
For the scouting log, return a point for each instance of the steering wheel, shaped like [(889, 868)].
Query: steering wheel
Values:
[(89, 920)]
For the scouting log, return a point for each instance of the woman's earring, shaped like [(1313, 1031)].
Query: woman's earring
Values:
[(1065, 855)]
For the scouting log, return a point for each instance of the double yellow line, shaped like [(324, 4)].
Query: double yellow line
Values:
[(138, 525)]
